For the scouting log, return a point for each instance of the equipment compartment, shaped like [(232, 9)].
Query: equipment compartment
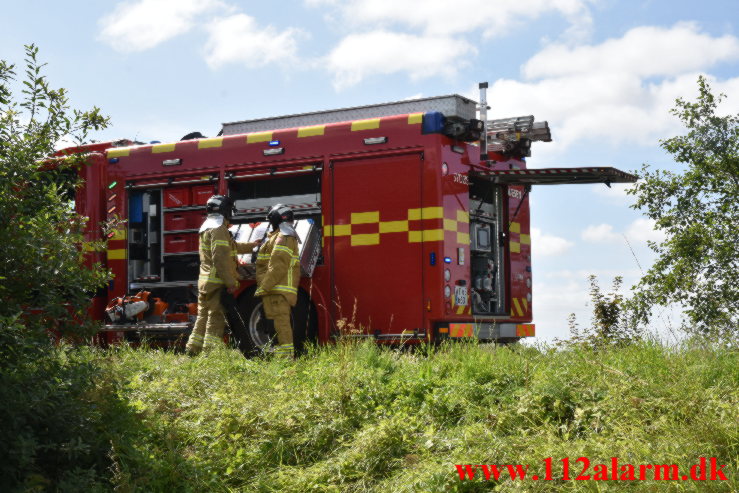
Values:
[(487, 262), (180, 243), (183, 220), (177, 197), (201, 194), (181, 268)]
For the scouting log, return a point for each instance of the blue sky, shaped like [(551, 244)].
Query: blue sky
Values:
[(604, 73)]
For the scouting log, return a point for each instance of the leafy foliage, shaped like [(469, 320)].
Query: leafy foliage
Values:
[(57, 423), (50, 431), (42, 273), (611, 324), (698, 210)]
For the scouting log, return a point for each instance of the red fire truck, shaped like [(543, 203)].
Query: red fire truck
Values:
[(414, 220)]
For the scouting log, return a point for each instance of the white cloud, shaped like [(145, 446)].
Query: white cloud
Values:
[(616, 193), (438, 17), (641, 230), (543, 245), (602, 233), (553, 302), (619, 91), (240, 39), (141, 25), (436, 45), (645, 51), (381, 52)]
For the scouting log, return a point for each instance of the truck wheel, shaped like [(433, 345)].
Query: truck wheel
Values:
[(258, 332)]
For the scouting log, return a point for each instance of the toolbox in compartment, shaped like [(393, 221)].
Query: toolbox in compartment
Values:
[(201, 194), (177, 197), (180, 243), (184, 268), (178, 221)]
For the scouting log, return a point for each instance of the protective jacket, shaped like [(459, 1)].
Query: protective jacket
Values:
[(218, 260), (278, 267)]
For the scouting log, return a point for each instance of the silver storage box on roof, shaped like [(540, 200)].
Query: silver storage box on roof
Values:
[(309, 246), (451, 106)]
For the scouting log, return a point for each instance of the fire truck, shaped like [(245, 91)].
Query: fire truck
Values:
[(413, 216)]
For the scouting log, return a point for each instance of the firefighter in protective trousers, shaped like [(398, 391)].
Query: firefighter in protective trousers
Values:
[(278, 275), (218, 263)]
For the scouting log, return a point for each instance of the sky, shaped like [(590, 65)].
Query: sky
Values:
[(603, 73)]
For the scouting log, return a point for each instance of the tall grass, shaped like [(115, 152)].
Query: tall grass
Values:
[(359, 417)]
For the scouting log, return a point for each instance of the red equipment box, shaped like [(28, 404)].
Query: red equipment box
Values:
[(177, 221), (177, 197), (180, 243), (201, 194)]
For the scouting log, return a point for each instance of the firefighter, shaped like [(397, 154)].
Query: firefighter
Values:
[(278, 275), (218, 263)]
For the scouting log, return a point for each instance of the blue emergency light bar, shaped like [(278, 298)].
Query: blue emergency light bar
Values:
[(433, 122)]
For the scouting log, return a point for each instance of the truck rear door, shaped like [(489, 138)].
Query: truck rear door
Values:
[(501, 270), (373, 236)]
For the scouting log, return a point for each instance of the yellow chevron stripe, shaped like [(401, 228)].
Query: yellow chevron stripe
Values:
[(425, 235), (258, 137), (393, 226), (337, 230), (370, 124), (525, 239), (118, 254), (119, 152), (515, 247), (515, 228), (160, 148), (425, 213), (311, 131), (415, 118), (210, 143), (365, 217), (517, 307), (365, 239)]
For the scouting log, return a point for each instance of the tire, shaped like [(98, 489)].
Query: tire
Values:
[(253, 332)]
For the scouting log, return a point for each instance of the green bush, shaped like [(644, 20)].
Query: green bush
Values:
[(42, 271), (49, 415), (50, 408)]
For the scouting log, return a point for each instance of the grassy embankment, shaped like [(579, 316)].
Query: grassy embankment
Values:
[(364, 418), (357, 417)]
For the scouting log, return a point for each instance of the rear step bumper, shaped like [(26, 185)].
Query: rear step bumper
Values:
[(179, 328)]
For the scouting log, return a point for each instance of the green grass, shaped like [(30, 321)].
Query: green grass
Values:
[(358, 417)]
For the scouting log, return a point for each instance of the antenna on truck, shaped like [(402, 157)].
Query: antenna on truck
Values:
[(484, 117)]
